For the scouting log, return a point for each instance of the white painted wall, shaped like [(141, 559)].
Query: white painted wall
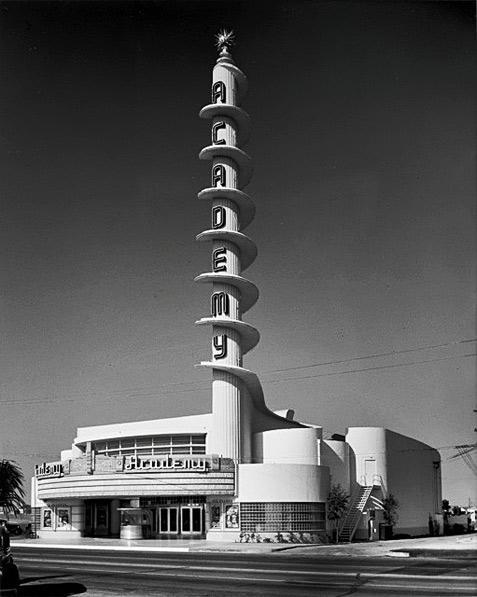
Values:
[(283, 483), (287, 446), (405, 468), (411, 478), (336, 455), (368, 444), (188, 424)]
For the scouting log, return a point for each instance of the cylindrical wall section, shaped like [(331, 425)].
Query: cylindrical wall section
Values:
[(221, 74), (336, 455), (224, 436), (287, 446), (283, 483)]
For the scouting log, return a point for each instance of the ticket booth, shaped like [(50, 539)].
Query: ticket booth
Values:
[(135, 523)]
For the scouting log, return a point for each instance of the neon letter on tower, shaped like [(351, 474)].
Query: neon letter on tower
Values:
[(218, 217), (217, 127), (218, 176), (218, 92), (220, 344), (219, 260), (220, 304)]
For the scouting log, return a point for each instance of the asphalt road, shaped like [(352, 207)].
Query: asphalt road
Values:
[(56, 572)]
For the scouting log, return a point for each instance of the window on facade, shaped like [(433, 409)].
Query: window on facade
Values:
[(292, 517), (158, 445)]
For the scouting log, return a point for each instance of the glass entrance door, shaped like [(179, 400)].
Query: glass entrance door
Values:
[(101, 520), (168, 520), (191, 519)]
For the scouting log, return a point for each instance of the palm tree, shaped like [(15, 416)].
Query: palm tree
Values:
[(11, 487)]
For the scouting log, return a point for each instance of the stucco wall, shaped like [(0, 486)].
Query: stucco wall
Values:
[(283, 483), (369, 446), (404, 467), (187, 424), (287, 446), (336, 455), (411, 479)]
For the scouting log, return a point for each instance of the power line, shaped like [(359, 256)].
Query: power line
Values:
[(371, 368), (373, 356), (52, 399), (77, 396)]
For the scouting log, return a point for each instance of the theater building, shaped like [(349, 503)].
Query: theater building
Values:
[(241, 470)]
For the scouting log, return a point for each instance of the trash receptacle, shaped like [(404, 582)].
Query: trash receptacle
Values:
[(385, 532)]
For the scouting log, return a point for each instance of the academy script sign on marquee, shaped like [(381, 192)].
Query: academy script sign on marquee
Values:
[(137, 464), (51, 469)]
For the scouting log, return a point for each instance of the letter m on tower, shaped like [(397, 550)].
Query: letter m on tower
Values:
[(220, 304)]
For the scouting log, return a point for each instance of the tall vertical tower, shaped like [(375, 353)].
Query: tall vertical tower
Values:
[(232, 210)]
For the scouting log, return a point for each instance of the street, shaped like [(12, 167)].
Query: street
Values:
[(60, 572)]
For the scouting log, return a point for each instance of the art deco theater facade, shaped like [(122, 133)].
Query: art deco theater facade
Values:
[(241, 469)]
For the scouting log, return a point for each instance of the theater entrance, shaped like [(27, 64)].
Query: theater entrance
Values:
[(168, 521), (191, 520), (177, 516), (180, 520)]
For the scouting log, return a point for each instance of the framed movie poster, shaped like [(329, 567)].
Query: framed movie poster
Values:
[(47, 519), (232, 517)]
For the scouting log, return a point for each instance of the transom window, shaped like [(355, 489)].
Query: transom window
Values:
[(158, 445)]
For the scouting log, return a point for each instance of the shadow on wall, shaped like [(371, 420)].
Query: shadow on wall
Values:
[(36, 587), (352, 470)]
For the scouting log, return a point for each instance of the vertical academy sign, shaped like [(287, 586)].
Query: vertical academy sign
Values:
[(232, 251)]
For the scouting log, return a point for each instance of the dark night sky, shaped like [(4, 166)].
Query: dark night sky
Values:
[(364, 181)]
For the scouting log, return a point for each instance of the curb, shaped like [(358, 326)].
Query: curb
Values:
[(457, 554), (103, 547)]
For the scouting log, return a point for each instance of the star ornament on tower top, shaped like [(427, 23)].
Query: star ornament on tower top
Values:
[(224, 40)]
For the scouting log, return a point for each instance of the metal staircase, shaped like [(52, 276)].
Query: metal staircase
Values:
[(352, 518)]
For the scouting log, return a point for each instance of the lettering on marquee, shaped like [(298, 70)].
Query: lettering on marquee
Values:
[(219, 260), (220, 304), (167, 463), (219, 92), (54, 469), (219, 176), (218, 216), (194, 464), (220, 344), (215, 128)]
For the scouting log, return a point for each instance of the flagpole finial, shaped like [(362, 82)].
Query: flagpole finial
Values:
[(224, 40)]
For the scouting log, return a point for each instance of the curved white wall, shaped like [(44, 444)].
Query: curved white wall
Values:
[(123, 485), (283, 483), (287, 446), (187, 424), (336, 455), (369, 446)]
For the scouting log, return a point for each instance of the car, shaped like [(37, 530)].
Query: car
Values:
[(9, 577), (15, 528)]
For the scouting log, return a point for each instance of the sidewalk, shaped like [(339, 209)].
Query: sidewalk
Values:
[(460, 546)]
